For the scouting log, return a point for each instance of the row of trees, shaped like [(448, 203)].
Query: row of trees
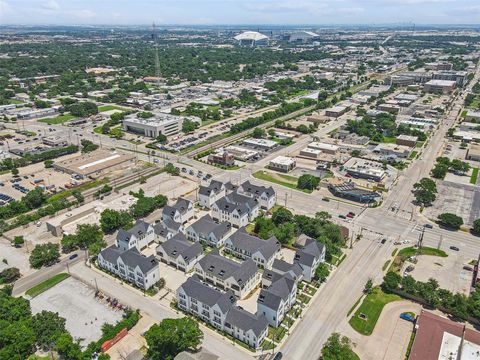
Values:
[(22, 333), (444, 165), (111, 220), (87, 236), (457, 304), (285, 227)]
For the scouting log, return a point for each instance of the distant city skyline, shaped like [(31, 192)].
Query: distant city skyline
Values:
[(208, 12)]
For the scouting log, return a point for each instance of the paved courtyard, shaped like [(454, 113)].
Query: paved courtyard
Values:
[(76, 302)]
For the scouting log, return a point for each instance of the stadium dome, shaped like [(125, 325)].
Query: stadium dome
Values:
[(251, 38)]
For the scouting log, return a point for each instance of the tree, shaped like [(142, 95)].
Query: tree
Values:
[(368, 287), (82, 109), (161, 138), (78, 196), (44, 255), (307, 181), (15, 172), (391, 281), (476, 226), (172, 169), (18, 240), (271, 133), (425, 191), (47, 326), (338, 348), (48, 163), (189, 126), (322, 272), (67, 348), (459, 166), (111, 220), (172, 336), (258, 133), (88, 146), (9, 275), (439, 171), (450, 220), (35, 198), (87, 236), (282, 215)]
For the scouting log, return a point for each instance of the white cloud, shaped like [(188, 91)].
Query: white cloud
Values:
[(4, 7), (51, 5)]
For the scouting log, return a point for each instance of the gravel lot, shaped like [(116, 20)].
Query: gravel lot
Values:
[(76, 302)]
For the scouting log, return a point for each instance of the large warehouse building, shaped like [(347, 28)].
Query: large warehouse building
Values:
[(95, 164)]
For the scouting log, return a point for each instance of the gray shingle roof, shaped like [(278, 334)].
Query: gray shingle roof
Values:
[(243, 240), (131, 258), (195, 288), (214, 187), (282, 267), (257, 190), (224, 268), (178, 245), (309, 253), (206, 225), (139, 229), (247, 321), (278, 291)]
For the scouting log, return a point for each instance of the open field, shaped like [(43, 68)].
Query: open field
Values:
[(57, 120)]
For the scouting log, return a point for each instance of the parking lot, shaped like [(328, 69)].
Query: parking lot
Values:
[(448, 271), (76, 302), (460, 199), (15, 257)]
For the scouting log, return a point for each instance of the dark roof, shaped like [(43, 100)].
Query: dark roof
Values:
[(160, 229), (178, 245), (172, 225), (257, 190), (140, 228), (243, 240), (246, 321), (243, 204), (230, 187), (278, 291), (311, 251), (181, 206), (224, 268), (215, 187), (282, 267), (206, 225), (195, 288), (131, 258)]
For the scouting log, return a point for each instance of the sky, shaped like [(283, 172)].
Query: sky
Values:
[(207, 12)]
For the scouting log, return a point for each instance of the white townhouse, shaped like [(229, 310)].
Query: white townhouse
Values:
[(279, 269), (208, 195), (309, 257), (166, 229), (139, 236), (265, 196), (208, 231), (277, 299), (219, 309), (236, 209), (130, 265), (226, 274), (180, 212), (180, 253), (245, 246)]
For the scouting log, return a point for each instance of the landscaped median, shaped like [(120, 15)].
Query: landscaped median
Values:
[(366, 316), (408, 252), (47, 284)]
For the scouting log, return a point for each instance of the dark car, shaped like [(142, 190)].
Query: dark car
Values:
[(73, 256), (428, 226), (278, 356), (454, 248), (342, 216), (383, 241)]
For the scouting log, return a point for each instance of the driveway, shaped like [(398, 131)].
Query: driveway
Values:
[(389, 340)]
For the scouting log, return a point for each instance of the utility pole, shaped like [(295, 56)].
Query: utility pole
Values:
[(286, 195), (440, 242), (420, 240)]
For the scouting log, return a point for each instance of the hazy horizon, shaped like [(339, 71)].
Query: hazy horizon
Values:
[(240, 12)]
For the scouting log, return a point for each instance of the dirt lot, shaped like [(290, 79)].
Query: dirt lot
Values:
[(15, 257), (75, 301)]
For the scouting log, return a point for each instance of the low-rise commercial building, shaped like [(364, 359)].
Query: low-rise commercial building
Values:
[(263, 144), (473, 116), (439, 86), (406, 140), (282, 164), (336, 111), (324, 148), (221, 157), (159, 123), (362, 169), (473, 152), (349, 191), (54, 141)]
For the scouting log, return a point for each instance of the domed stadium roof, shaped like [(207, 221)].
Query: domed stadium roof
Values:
[(251, 36)]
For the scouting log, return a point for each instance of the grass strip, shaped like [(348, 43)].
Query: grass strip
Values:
[(47, 284)]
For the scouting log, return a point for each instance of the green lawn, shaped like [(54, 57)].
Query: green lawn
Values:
[(57, 120), (111, 107), (389, 140), (280, 179), (371, 307), (413, 155), (47, 284), (411, 251), (15, 101), (474, 176)]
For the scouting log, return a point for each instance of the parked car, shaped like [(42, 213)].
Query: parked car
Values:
[(407, 316), (454, 248), (326, 199), (383, 241), (342, 216), (278, 356), (428, 226), (73, 256)]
